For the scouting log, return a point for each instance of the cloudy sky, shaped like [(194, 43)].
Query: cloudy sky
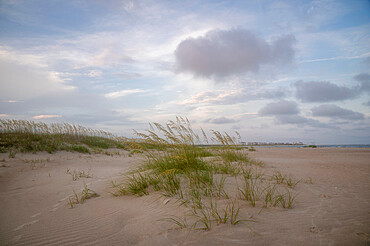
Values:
[(272, 70)]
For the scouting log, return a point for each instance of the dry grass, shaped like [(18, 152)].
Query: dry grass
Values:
[(176, 168), (29, 136), (210, 183)]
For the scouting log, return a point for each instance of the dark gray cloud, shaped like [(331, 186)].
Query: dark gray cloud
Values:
[(287, 112), (364, 79), (334, 111), (367, 103), (221, 120), (282, 107), (300, 121), (322, 91), (222, 53), (366, 61)]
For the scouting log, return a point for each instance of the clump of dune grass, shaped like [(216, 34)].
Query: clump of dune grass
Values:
[(79, 174), (278, 177), (33, 162), (286, 200), (86, 194), (178, 166), (30, 136), (249, 190), (309, 180), (291, 182)]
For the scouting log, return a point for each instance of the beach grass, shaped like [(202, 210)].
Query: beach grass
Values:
[(178, 167), (211, 182), (86, 193), (30, 136)]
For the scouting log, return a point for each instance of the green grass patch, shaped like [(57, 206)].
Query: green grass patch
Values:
[(30, 136)]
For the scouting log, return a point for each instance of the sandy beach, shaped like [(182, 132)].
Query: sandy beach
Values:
[(332, 205)]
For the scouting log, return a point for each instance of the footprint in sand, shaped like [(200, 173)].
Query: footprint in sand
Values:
[(324, 196), (315, 229)]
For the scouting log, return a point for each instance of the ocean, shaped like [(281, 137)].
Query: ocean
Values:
[(318, 146)]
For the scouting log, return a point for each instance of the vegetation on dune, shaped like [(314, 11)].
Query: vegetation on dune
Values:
[(86, 194), (212, 184), (30, 136)]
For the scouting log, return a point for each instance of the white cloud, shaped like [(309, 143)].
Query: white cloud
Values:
[(95, 73), (108, 57), (46, 116), (21, 82), (22, 58), (122, 93)]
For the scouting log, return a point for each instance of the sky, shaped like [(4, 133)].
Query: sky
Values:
[(275, 71)]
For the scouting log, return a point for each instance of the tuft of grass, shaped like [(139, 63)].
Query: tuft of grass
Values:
[(227, 168), (137, 185), (250, 191), (309, 180), (286, 200), (76, 175), (170, 183), (234, 212), (232, 155), (278, 177), (291, 182), (11, 154), (269, 195), (219, 187), (86, 193), (182, 223)]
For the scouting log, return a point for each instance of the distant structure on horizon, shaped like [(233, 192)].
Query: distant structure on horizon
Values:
[(270, 143)]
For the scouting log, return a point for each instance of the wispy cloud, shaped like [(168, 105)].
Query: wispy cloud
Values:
[(234, 96), (46, 116), (366, 55), (123, 93)]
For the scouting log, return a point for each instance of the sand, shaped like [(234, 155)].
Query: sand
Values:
[(332, 210)]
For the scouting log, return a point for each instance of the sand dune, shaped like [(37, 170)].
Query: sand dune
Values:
[(34, 192)]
